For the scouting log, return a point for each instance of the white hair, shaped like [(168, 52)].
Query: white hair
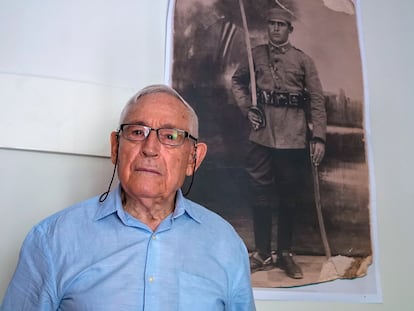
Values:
[(162, 88)]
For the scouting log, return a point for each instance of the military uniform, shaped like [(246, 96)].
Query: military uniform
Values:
[(289, 93), (289, 72)]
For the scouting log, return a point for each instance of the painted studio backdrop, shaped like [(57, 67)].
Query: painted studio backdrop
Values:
[(207, 45)]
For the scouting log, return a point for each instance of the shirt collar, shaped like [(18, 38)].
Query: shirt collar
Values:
[(113, 204), (110, 205), (183, 205), (279, 48)]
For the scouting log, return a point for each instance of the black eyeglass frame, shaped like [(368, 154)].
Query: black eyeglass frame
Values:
[(150, 129)]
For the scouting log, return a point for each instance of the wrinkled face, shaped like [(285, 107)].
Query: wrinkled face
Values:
[(278, 31), (149, 169)]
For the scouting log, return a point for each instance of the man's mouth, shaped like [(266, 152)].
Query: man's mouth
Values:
[(147, 170)]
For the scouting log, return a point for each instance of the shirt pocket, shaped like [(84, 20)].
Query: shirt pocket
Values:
[(264, 77), (200, 293), (295, 78)]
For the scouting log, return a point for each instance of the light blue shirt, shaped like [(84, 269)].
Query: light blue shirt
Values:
[(95, 256)]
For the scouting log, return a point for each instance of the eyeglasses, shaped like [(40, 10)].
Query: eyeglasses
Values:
[(166, 136)]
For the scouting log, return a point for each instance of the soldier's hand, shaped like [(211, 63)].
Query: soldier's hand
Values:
[(318, 152), (254, 119)]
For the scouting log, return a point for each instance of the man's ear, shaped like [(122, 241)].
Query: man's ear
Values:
[(197, 156), (114, 146)]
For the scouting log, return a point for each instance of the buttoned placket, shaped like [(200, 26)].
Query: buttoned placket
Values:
[(151, 245), (153, 278), (151, 274), (273, 68)]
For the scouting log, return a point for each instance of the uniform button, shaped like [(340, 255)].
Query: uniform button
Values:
[(154, 237), (151, 279)]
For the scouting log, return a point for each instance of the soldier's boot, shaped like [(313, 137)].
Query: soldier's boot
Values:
[(285, 262), (260, 262)]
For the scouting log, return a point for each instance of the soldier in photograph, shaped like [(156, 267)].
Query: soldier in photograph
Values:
[(288, 119)]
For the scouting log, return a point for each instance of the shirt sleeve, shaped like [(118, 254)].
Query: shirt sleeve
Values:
[(242, 293), (317, 100), (240, 86), (31, 285)]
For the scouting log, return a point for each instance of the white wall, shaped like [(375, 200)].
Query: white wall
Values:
[(34, 184), (70, 65)]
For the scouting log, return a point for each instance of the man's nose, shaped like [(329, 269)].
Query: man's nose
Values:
[(151, 145)]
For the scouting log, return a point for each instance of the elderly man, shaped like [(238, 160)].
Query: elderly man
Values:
[(143, 246), (288, 88)]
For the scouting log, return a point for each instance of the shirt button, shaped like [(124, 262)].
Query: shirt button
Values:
[(154, 237), (151, 279)]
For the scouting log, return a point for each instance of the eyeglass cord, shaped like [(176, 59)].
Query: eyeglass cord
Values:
[(192, 180), (104, 195)]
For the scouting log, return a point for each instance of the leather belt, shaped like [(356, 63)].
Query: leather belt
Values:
[(282, 99)]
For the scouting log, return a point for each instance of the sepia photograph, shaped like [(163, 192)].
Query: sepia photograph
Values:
[(278, 87)]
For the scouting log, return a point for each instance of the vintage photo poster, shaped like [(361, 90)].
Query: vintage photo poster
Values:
[(278, 87)]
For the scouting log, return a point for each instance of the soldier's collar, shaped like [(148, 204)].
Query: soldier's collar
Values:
[(279, 48)]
